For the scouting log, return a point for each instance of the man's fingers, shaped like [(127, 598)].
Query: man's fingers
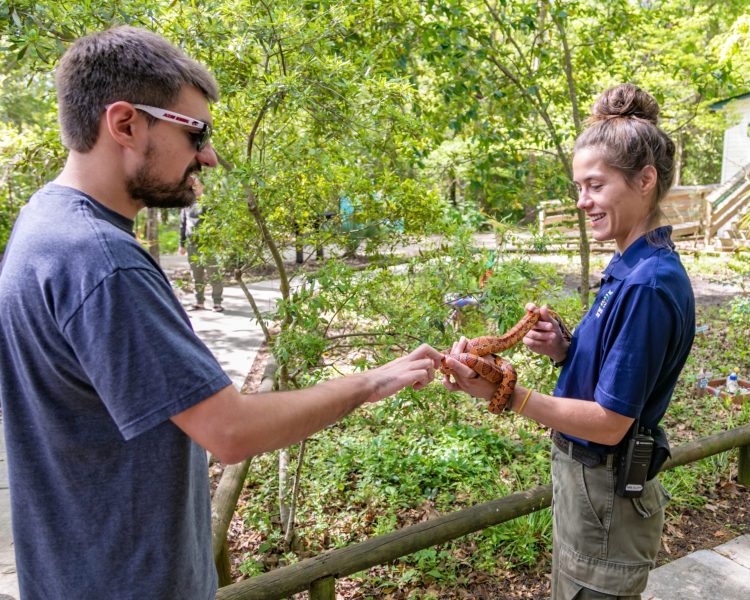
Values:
[(422, 377), (422, 352), (424, 364), (428, 351)]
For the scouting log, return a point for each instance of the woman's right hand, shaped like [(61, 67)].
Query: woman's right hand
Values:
[(546, 337), (464, 378)]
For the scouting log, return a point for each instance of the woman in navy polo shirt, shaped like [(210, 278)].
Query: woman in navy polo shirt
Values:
[(623, 361)]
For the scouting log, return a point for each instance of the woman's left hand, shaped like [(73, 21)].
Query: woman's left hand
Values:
[(546, 337)]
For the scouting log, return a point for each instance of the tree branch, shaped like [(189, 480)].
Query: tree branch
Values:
[(568, 65)]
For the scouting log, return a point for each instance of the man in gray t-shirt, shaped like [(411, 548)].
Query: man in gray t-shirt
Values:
[(108, 397), (97, 355)]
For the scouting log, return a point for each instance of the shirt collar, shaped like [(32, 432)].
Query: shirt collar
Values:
[(641, 249), (98, 208)]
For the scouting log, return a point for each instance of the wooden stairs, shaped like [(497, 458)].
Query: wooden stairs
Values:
[(727, 209)]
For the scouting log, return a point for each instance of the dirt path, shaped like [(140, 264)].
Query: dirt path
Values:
[(711, 293)]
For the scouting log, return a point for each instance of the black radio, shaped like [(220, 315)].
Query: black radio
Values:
[(634, 460)]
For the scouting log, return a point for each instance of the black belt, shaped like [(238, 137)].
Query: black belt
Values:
[(585, 456)]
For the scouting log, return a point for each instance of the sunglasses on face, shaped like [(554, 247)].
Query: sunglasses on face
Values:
[(199, 138)]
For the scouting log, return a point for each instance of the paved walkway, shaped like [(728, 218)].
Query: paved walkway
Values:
[(719, 574), (234, 337)]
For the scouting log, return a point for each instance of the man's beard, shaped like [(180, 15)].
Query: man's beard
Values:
[(146, 187)]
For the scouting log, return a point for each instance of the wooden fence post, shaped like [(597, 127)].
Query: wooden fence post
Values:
[(743, 466), (224, 566), (226, 495), (323, 589), (709, 219)]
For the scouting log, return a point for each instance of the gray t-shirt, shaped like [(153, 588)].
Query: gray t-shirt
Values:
[(109, 498)]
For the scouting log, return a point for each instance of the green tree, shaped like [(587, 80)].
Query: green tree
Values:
[(516, 77), (311, 110)]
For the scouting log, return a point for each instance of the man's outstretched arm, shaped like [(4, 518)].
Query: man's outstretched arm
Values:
[(233, 426)]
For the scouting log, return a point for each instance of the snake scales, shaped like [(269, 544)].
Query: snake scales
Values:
[(480, 356)]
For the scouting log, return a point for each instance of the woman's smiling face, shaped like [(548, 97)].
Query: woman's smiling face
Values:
[(616, 209)]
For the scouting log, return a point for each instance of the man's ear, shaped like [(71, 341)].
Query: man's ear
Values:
[(647, 179), (122, 124)]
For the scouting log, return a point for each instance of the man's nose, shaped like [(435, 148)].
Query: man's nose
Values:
[(207, 156)]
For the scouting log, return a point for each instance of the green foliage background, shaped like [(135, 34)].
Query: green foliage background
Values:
[(421, 454), (433, 116), (473, 104)]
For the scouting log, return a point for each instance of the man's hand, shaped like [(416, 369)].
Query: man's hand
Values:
[(546, 337), (415, 369), (233, 426)]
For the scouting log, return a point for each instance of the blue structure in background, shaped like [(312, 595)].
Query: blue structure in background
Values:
[(346, 213)]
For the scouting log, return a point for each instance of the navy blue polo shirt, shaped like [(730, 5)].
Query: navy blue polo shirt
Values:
[(629, 349)]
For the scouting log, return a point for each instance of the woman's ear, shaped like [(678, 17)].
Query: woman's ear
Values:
[(647, 179)]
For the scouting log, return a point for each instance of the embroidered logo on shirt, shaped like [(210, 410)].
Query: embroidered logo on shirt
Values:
[(604, 302)]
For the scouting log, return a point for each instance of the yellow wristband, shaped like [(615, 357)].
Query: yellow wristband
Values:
[(523, 404)]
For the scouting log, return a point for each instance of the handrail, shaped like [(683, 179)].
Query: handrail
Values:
[(729, 187), (685, 208), (285, 581)]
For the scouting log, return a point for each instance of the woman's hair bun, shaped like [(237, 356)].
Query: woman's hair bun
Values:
[(625, 100)]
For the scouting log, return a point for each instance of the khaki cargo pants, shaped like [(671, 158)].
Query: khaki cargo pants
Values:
[(603, 545)]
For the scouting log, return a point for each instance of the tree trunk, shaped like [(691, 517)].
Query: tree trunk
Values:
[(584, 251), (529, 203), (452, 190), (224, 566), (284, 489), (289, 529), (152, 232), (284, 325), (678, 161)]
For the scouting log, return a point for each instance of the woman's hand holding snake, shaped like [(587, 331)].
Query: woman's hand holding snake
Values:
[(464, 378), (494, 377), (549, 335)]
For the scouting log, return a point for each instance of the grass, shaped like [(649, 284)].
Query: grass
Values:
[(411, 457)]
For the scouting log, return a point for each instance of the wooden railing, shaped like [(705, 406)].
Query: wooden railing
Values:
[(727, 203), (319, 574)]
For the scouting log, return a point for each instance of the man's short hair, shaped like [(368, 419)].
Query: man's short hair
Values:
[(122, 63)]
